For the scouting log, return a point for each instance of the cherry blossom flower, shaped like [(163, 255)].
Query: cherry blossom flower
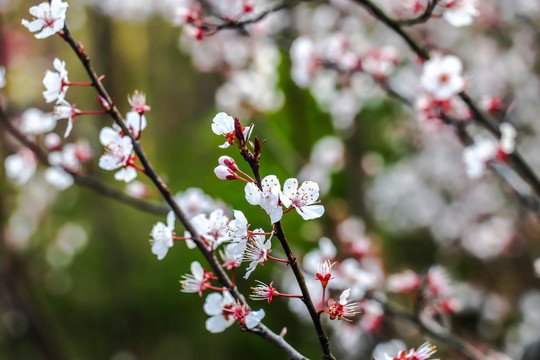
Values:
[(422, 353), (58, 177), (138, 102), (256, 251), (248, 318), (323, 273), (34, 121), (64, 110), (52, 142), (442, 78), (230, 256), (223, 124), (380, 63), (49, 18), (137, 189), (220, 307), (135, 122), (343, 308), (237, 231), (477, 156), (303, 198), (117, 154), (268, 198), (212, 229), (264, 292), (20, 167), (459, 12), (197, 281), (163, 236), (403, 282), (194, 201), (56, 82), (62, 162)]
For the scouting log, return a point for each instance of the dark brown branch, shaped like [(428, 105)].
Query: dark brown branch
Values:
[(280, 234), (424, 17), (232, 24), (209, 255)]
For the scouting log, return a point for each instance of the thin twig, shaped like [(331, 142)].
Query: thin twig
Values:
[(209, 255), (424, 17), (232, 24)]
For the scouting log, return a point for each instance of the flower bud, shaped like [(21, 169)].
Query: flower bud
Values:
[(228, 162), (53, 142), (224, 173)]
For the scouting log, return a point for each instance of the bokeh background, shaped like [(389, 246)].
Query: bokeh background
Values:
[(78, 280)]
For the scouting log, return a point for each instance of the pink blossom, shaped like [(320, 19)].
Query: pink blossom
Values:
[(138, 102), (403, 282)]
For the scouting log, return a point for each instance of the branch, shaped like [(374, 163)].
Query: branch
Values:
[(455, 342), (149, 171), (85, 180), (480, 117), (424, 17), (233, 24), (280, 234)]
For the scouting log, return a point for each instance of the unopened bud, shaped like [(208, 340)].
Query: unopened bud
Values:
[(53, 142), (224, 173), (228, 162)]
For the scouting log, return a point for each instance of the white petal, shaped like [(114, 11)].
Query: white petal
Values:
[(254, 318), (276, 214), (217, 324), (290, 188), (197, 270), (107, 135), (253, 194), (344, 295), (310, 212), (213, 304), (125, 174), (171, 219)]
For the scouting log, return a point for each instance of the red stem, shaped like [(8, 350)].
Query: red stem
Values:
[(276, 259)]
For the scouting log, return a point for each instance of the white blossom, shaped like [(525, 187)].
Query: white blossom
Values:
[(303, 198), (163, 236), (20, 167), (35, 121), (56, 82), (256, 251), (442, 78), (220, 307), (49, 18), (460, 12), (268, 198), (118, 151)]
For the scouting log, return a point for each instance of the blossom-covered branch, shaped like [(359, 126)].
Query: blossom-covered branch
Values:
[(165, 192), (483, 119), (88, 181)]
